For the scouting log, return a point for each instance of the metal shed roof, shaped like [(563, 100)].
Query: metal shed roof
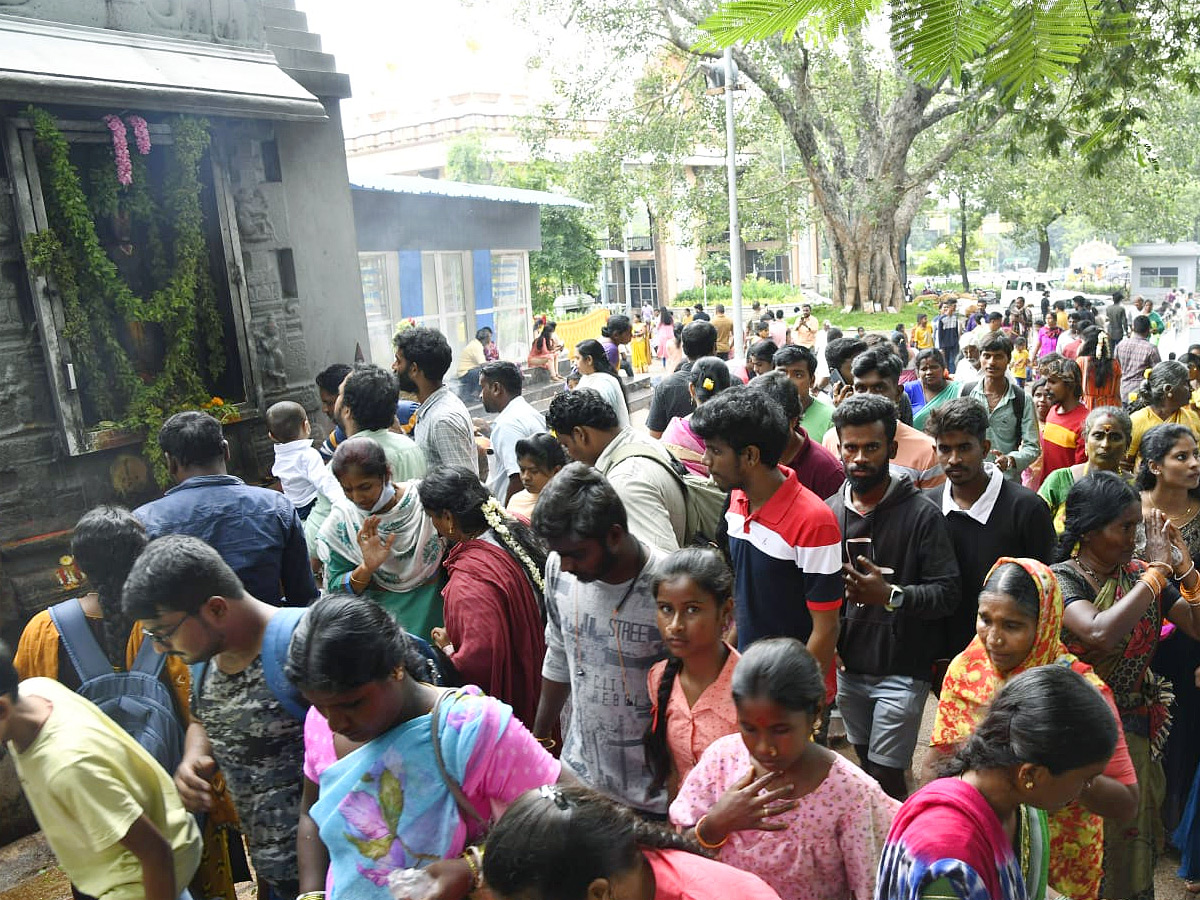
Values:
[(434, 187)]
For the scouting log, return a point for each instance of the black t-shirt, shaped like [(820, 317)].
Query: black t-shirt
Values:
[(670, 398)]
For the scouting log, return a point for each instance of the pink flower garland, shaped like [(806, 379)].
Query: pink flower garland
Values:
[(141, 133), (120, 149)]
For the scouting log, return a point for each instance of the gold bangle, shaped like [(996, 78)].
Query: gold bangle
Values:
[(312, 895), (700, 839), (548, 743), (352, 583), (1190, 595), (1154, 581), (473, 857)]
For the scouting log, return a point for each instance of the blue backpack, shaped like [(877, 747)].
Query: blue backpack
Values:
[(137, 700), (276, 638)]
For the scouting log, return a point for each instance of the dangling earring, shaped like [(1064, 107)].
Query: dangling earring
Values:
[(1029, 785)]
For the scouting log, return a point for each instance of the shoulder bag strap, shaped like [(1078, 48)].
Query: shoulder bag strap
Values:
[(148, 659), (276, 638), (464, 805), (76, 635), (631, 450)]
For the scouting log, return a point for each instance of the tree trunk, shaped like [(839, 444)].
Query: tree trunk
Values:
[(866, 266), (1043, 236), (962, 240)]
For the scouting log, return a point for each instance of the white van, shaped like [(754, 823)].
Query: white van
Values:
[(1030, 285)]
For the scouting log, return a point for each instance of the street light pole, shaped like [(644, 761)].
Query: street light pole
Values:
[(735, 238)]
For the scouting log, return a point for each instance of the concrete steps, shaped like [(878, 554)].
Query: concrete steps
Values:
[(298, 50)]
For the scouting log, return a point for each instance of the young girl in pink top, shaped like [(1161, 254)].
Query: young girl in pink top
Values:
[(771, 801), (693, 706)]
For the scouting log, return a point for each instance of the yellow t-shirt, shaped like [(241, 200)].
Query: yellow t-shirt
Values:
[(1020, 363), (1145, 419), (88, 781), (922, 338), (472, 357)]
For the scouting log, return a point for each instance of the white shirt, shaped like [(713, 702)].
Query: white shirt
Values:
[(515, 422), (981, 509), (610, 389), (303, 474)]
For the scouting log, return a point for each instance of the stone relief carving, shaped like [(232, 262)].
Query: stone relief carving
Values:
[(172, 17), (253, 216), (225, 21), (268, 338)]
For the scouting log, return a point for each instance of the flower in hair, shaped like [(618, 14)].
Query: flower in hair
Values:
[(708, 384), (497, 520)]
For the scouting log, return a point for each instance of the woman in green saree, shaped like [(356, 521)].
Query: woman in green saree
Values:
[(378, 542), (1108, 431), (932, 387)]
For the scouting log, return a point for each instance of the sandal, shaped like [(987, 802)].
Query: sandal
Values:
[(1192, 886)]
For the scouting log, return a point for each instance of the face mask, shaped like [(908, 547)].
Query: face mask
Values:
[(385, 497)]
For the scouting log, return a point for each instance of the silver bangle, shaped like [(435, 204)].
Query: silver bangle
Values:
[(1179, 580)]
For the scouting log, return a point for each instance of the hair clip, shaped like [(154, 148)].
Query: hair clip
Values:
[(555, 796)]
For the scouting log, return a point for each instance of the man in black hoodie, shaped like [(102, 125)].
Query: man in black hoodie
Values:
[(901, 579)]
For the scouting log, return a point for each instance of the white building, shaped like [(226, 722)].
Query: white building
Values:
[(1157, 269)]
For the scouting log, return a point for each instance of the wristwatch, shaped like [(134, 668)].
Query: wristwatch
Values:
[(896, 600)]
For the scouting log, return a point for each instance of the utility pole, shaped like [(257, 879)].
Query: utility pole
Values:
[(735, 237)]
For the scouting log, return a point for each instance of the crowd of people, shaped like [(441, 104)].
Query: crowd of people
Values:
[(561, 656)]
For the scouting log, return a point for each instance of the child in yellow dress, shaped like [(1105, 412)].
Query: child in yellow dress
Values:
[(640, 346), (1020, 361)]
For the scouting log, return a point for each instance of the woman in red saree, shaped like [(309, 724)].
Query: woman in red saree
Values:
[(495, 625)]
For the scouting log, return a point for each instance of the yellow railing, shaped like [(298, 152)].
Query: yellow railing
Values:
[(571, 333)]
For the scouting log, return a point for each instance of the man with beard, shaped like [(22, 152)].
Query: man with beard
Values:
[(783, 540), (444, 430), (500, 386), (988, 515), (901, 583), (601, 636), (877, 372)]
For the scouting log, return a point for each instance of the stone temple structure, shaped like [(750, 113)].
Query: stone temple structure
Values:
[(277, 269)]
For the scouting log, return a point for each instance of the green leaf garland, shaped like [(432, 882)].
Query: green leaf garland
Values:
[(96, 298)]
